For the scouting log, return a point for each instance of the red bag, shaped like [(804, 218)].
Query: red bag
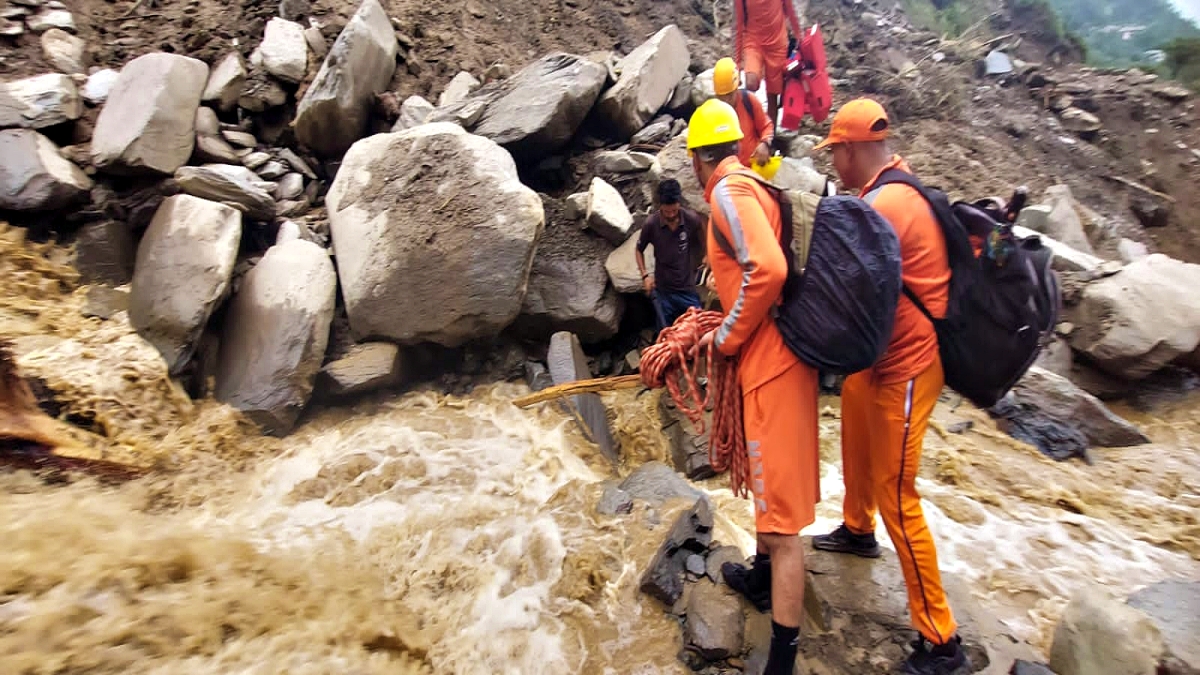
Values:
[(794, 96), (813, 76)]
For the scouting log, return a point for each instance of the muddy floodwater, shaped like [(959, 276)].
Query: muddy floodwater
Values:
[(457, 534)]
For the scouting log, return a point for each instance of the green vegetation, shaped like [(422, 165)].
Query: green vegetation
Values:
[(954, 17), (1122, 32), (950, 17), (1183, 61), (1117, 33)]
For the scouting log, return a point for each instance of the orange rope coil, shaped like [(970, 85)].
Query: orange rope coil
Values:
[(668, 363)]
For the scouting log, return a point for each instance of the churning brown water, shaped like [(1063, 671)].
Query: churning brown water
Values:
[(442, 534)]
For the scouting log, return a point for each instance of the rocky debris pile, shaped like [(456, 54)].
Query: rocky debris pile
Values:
[(457, 207), (198, 166)]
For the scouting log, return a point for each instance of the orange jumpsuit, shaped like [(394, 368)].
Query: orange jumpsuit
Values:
[(886, 409), (779, 392), (755, 124), (761, 38)]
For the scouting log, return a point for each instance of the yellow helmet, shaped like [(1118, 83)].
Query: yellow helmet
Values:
[(714, 123), (725, 77)]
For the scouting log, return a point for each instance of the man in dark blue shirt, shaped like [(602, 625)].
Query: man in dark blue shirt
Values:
[(677, 235)]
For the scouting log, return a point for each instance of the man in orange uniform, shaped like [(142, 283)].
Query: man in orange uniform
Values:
[(779, 392), (757, 130), (886, 409), (761, 44)]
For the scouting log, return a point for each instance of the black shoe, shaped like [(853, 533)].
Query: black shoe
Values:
[(842, 540), (930, 659), (754, 583)]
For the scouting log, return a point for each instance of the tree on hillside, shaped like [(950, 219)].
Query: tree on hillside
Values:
[(1183, 59)]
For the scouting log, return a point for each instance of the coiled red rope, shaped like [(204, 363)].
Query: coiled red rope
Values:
[(668, 363)]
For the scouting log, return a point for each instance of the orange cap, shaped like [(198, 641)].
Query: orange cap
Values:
[(859, 121)]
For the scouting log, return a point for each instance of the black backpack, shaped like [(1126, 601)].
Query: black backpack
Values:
[(1003, 304), (839, 301)]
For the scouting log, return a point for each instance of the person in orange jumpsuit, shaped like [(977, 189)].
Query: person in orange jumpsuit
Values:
[(779, 392), (886, 408), (761, 44), (757, 130)]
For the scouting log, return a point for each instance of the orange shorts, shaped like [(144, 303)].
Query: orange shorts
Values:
[(781, 436), (768, 61)]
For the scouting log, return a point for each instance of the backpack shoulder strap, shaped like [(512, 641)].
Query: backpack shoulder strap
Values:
[(940, 210), (786, 233), (893, 176), (785, 216)]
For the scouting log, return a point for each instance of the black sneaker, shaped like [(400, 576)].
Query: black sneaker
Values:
[(930, 659), (754, 583), (842, 540)]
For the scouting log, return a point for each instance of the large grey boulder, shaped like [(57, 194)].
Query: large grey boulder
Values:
[(1043, 399), (413, 111), (673, 162), (223, 183), (869, 594), (568, 288), (1099, 635), (689, 447), (1144, 317), (432, 251), (225, 82), (34, 176), (702, 88), (184, 263), (367, 367), (334, 111), (1081, 122), (656, 483), (567, 363), (49, 19), (1058, 218), (648, 78), (616, 161), (622, 268), (460, 87), (284, 51), (715, 623), (690, 535), (1174, 607), (64, 51), (535, 112), (275, 334), (148, 122), (39, 102), (105, 253), (657, 132), (607, 214), (1066, 259), (99, 85)]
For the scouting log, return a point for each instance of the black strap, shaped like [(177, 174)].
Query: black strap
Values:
[(902, 177), (908, 293)]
